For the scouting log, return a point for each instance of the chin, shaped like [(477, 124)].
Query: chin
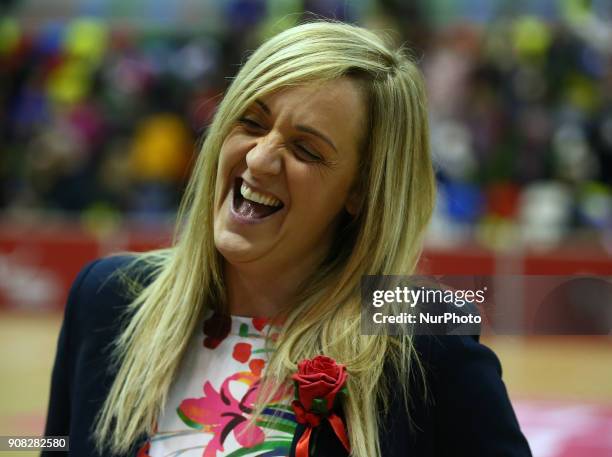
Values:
[(228, 243), (235, 248)]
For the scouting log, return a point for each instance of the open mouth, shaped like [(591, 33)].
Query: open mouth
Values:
[(244, 203)]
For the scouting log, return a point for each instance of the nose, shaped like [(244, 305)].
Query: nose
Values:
[(265, 158)]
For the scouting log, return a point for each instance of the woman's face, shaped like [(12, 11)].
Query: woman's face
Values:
[(285, 174)]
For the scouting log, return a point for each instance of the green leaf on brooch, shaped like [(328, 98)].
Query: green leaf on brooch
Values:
[(319, 406), (342, 395), (296, 390)]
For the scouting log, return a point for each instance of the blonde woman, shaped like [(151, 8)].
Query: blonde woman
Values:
[(315, 171)]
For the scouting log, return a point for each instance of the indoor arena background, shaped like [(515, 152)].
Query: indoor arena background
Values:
[(103, 104)]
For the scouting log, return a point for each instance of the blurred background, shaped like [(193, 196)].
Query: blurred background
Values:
[(103, 105)]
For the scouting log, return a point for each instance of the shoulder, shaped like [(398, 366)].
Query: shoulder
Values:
[(100, 281), (100, 293), (467, 401), (459, 363), (459, 368), (83, 369), (452, 352)]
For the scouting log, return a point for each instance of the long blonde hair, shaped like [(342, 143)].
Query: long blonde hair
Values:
[(398, 191)]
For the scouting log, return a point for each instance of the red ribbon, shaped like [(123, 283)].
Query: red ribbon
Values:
[(312, 420), (338, 426)]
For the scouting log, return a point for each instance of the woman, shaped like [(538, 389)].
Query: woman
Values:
[(315, 172)]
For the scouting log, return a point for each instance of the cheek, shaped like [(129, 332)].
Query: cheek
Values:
[(231, 154), (320, 193)]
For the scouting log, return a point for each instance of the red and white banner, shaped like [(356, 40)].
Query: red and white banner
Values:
[(38, 264)]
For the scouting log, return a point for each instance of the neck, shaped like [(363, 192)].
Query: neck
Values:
[(255, 292)]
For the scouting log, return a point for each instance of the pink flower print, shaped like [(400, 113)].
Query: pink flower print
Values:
[(221, 414)]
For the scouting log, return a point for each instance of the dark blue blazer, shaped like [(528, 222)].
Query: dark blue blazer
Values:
[(467, 412)]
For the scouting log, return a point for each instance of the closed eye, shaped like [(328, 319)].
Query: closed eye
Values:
[(305, 155), (302, 152), (250, 123)]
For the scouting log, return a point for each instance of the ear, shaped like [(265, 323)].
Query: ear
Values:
[(353, 203)]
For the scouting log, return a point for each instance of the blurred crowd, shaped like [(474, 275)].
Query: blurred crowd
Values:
[(102, 121), (521, 130)]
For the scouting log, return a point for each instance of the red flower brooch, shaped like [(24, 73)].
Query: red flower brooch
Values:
[(319, 386)]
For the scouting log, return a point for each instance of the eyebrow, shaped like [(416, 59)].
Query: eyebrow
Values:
[(302, 128)]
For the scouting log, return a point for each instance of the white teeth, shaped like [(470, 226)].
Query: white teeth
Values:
[(252, 195)]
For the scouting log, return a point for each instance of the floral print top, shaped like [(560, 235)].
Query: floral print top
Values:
[(210, 401)]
